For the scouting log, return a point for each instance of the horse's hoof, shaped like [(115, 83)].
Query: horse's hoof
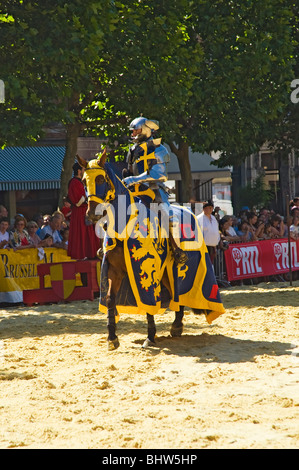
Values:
[(147, 343), (198, 311), (176, 331), (113, 344)]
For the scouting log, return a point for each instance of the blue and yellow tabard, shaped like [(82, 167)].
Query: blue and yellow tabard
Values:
[(147, 257)]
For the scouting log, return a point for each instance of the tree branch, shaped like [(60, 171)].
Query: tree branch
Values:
[(173, 148)]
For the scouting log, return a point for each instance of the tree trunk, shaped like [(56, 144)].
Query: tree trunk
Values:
[(73, 131), (182, 153)]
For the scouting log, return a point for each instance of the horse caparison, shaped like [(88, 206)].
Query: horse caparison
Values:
[(117, 270)]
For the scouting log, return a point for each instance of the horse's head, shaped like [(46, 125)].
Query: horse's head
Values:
[(99, 190)]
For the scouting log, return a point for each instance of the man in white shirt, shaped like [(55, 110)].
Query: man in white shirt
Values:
[(210, 228), (53, 229)]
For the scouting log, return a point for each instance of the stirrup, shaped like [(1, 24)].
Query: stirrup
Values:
[(180, 257)]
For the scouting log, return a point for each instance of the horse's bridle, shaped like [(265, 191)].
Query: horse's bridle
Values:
[(91, 183)]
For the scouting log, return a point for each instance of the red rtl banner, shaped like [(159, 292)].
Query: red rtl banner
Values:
[(260, 258)]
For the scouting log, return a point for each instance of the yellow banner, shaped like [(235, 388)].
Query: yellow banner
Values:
[(18, 269)]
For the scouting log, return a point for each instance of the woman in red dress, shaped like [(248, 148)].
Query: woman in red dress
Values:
[(83, 242)]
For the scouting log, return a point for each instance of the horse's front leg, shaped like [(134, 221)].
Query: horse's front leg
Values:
[(113, 342), (116, 272), (151, 331), (177, 326)]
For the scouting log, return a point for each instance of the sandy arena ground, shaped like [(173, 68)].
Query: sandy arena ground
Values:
[(234, 384)]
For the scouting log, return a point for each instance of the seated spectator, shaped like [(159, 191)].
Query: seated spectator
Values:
[(19, 237), (278, 227), (294, 229), (4, 235), (53, 229)]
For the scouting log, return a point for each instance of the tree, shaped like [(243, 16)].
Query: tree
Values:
[(242, 86), (216, 75), (235, 63), (283, 135), (76, 66), (49, 50), (255, 194)]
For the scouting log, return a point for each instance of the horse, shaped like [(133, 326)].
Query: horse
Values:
[(158, 274)]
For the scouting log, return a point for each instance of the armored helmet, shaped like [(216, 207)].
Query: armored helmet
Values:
[(147, 127)]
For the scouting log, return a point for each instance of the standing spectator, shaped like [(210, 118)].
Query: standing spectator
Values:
[(46, 220), (82, 242), (278, 227), (294, 229), (229, 226), (295, 211), (47, 241), (67, 210), (18, 236), (210, 229), (266, 232), (252, 222), (39, 219), (32, 229), (244, 231), (264, 215), (53, 229), (3, 211), (4, 235), (227, 233), (216, 213), (294, 204), (35, 240), (65, 237)]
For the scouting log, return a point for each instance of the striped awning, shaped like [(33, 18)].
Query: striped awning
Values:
[(27, 168)]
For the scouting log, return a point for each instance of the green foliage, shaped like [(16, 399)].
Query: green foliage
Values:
[(215, 74), (243, 84), (254, 195)]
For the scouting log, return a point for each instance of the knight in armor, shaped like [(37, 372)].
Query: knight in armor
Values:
[(147, 173)]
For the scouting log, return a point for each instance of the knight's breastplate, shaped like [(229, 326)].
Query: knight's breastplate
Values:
[(143, 157)]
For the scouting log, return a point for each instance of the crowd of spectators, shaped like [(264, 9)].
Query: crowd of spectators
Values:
[(45, 230), (264, 224), (49, 230), (248, 226), (66, 228)]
